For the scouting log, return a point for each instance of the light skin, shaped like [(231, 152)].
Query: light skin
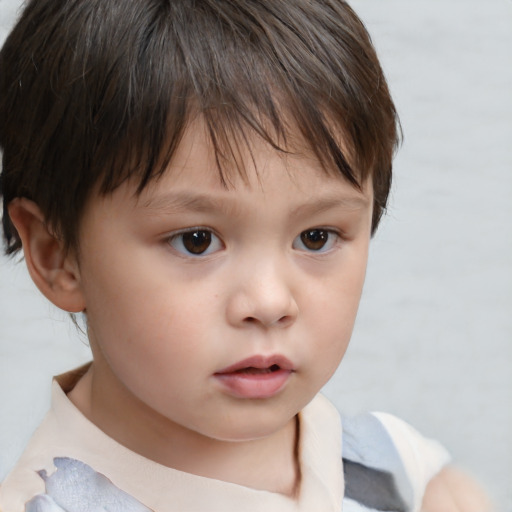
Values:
[(452, 490), (163, 322), (190, 278)]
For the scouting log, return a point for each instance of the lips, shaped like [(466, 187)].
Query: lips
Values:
[(259, 362), (256, 377)]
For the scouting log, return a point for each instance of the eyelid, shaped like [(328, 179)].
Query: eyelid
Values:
[(331, 231), (170, 237)]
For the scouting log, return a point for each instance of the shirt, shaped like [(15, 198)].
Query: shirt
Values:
[(70, 465)]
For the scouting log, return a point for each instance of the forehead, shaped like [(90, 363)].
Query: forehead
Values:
[(260, 174), (276, 188), (258, 177), (242, 161)]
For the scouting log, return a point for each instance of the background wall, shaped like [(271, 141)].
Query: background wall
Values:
[(433, 342)]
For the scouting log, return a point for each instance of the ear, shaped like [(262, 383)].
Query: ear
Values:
[(54, 270)]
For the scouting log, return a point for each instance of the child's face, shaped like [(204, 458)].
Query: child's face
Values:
[(189, 282)]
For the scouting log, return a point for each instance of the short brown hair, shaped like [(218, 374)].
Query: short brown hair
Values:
[(94, 92)]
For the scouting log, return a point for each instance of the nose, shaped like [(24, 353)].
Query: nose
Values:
[(262, 295)]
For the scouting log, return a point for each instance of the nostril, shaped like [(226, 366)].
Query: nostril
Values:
[(285, 320), (282, 321)]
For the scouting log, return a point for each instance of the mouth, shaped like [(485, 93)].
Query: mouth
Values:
[(251, 370), (256, 377), (259, 364)]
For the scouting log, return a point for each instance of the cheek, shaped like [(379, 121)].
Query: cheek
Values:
[(152, 347), (150, 320), (331, 316), (336, 295)]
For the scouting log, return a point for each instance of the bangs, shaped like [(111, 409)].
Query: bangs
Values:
[(237, 66), (93, 93)]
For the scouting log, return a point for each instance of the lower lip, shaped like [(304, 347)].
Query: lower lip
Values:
[(254, 385)]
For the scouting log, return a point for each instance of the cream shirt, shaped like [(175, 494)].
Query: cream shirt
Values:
[(66, 432)]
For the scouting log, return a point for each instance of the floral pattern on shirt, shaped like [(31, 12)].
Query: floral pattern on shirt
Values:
[(76, 487)]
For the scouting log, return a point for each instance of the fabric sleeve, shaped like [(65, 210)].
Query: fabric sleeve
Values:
[(387, 464), (423, 458)]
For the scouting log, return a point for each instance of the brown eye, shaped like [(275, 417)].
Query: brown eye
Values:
[(197, 242), (316, 240)]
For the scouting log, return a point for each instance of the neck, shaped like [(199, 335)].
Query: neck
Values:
[(269, 463)]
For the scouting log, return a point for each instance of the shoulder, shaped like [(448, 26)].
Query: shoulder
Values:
[(387, 462), (51, 439), (452, 490)]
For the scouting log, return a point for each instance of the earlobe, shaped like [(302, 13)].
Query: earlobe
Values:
[(53, 269)]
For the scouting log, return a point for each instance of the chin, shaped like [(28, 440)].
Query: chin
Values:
[(249, 428)]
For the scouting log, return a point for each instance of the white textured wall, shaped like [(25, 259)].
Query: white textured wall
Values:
[(433, 342)]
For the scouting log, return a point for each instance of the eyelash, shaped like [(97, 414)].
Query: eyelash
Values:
[(329, 236), (176, 241), (204, 238)]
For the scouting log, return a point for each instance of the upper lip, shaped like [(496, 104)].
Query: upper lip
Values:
[(261, 362)]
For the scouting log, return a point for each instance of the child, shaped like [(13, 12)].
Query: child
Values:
[(201, 179)]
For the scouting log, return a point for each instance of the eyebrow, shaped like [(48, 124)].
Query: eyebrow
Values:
[(176, 202), (349, 202)]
